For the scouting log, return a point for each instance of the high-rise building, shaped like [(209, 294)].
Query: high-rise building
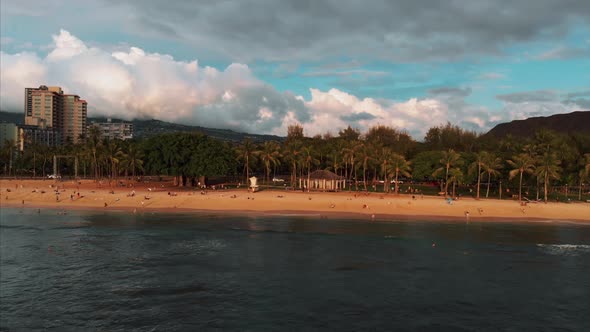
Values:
[(42, 106), (49, 108), (74, 116)]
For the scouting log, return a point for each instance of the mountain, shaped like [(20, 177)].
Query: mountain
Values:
[(563, 123), (17, 118), (147, 128)]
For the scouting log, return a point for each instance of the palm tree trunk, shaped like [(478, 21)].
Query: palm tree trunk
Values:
[(447, 180), (385, 186), (365, 175), (520, 188), (356, 182), (545, 185), (580, 190), (478, 178), (488, 189), (308, 175), (396, 182), (247, 169)]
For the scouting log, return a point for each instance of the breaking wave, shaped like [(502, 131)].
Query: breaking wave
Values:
[(565, 249)]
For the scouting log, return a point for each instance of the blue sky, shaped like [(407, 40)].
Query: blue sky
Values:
[(259, 66)]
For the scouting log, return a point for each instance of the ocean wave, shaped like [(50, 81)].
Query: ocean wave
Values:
[(565, 249)]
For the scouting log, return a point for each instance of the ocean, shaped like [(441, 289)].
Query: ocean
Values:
[(115, 271)]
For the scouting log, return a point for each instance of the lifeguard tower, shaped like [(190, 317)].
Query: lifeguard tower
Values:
[(253, 186)]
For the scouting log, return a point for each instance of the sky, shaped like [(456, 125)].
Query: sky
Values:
[(259, 66)]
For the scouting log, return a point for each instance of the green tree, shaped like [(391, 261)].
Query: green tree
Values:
[(365, 156), (384, 163), (478, 165), (399, 165), (247, 153), (583, 173), (492, 167), (522, 163), (93, 143), (449, 159), (270, 156), (113, 153), (132, 158), (308, 159), (547, 169)]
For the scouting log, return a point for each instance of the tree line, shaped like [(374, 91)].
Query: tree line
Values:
[(379, 159)]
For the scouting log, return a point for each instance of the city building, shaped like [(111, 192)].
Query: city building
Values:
[(115, 130), (47, 107), (31, 135), (42, 106), (73, 122)]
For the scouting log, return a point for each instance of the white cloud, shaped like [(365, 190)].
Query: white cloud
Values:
[(133, 83), (66, 46)]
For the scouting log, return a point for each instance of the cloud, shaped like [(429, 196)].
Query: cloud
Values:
[(585, 93), (564, 53), (529, 96), (131, 83), (397, 30), (136, 84), (584, 103)]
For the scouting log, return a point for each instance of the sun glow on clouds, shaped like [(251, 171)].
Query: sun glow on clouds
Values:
[(138, 84)]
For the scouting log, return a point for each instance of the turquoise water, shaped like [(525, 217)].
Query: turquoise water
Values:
[(165, 272)]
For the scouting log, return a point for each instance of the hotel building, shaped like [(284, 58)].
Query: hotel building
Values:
[(47, 107)]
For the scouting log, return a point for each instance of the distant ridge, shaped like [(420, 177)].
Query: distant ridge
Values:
[(147, 128), (576, 122)]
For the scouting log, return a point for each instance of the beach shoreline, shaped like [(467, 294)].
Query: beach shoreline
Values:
[(164, 198)]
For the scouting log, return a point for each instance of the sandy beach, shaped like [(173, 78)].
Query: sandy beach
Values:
[(163, 197)]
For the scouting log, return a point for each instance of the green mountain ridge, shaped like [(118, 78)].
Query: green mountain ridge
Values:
[(152, 127), (575, 122), (568, 123)]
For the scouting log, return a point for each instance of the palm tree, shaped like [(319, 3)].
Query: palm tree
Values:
[(349, 154), (478, 164), (522, 163), (384, 156), (133, 159), (270, 155), (308, 159), (247, 152), (399, 165), (584, 172), (449, 159), (291, 153), (113, 154), (334, 161), (93, 143), (548, 169), (7, 155), (455, 175), (492, 166), (366, 153)]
